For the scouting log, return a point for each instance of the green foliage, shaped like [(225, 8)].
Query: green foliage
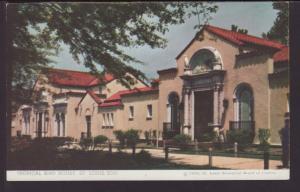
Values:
[(182, 140), (95, 32), (147, 137), (54, 141), (280, 29), (235, 28), (154, 134), (264, 135), (241, 136), (100, 139), (120, 136), (86, 142), (168, 134), (208, 137), (132, 137)]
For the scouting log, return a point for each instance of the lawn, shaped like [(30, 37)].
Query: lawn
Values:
[(88, 160)]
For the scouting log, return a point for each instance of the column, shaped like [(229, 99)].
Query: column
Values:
[(54, 125), (217, 107), (216, 95), (63, 120), (36, 124), (61, 125), (23, 130), (43, 124), (192, 109), (29, 116), (186, 112)]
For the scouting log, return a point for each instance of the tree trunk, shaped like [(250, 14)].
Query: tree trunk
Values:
[(133, 150)]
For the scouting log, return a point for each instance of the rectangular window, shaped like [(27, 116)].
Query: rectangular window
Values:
[(149, 111), (104, 121), (111, 119), (107, 120), (131, 112)]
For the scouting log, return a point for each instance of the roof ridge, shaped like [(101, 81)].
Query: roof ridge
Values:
[(125, 92), (245, 35)]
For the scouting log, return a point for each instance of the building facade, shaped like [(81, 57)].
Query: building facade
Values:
[(225, 80), (222, 80)]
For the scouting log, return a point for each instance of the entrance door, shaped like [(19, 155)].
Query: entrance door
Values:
[(203, 113), (88, 126)]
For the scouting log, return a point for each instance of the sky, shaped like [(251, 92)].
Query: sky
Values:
[(256, 17)]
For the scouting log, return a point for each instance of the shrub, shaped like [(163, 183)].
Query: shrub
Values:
[(242, 136), (147, 137), (120, 136), (132, 137), (154, 135), (143, 156), (100, 139), (264, 135), (50, 144), (168, 134), (208, 137), (54, 141), (182, 140), (86, 142)]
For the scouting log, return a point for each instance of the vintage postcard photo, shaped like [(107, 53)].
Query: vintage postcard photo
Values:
[(148, 91)]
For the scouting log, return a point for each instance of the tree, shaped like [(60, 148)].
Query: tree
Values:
[(132, 137), (95, 33), (235, 28), (280, 29)]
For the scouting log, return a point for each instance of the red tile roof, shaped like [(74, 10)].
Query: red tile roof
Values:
[(94, 96), (74, 78), (242, 39), (282, 55), (111, 104), (115, 99)]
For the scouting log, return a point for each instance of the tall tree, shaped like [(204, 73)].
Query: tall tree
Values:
[(280, 29), (95, 33), (236, 28)]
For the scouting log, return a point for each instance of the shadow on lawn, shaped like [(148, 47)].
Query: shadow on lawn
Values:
[(36, 158)]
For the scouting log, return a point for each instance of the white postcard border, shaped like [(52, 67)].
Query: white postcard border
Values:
[(151, 175)]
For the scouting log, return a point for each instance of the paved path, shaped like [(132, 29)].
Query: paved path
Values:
[(218, 161)]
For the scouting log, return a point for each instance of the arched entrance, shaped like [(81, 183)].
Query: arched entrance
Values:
[(203, 93)]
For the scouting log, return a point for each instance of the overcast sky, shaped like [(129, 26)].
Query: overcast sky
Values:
[(257, 17)]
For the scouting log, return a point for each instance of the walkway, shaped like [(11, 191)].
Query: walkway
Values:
[(218, 161)]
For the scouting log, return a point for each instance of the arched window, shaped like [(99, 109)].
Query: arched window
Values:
[(173, 100), (205, 60), (244, 107)]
